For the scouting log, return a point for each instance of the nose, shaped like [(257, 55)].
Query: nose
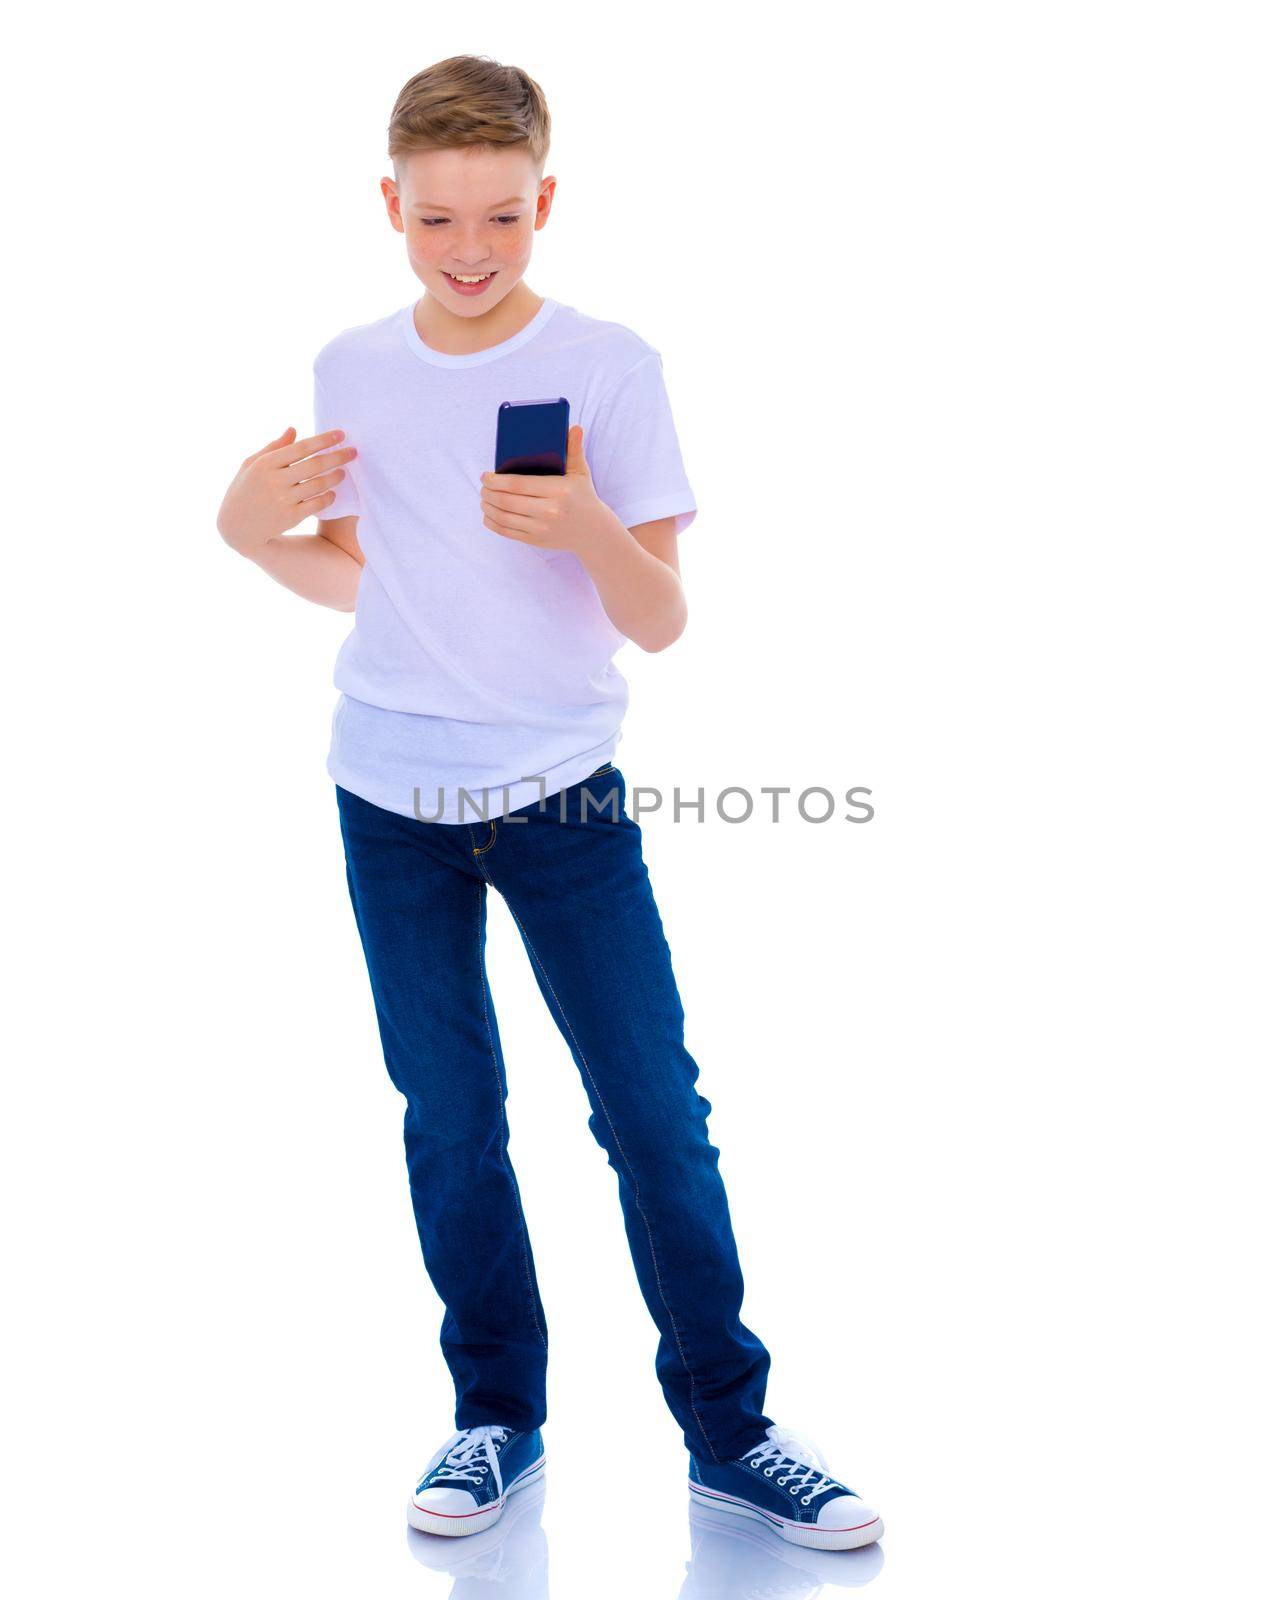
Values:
[(471, 253)]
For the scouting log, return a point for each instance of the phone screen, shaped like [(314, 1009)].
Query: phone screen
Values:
[(533, 437)]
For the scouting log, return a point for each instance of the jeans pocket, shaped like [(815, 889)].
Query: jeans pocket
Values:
[(603, 796)]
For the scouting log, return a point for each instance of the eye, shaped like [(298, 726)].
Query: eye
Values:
[(506, 220)]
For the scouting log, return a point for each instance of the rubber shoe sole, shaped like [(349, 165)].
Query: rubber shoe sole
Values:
[(458, 1524), (803, 1533)]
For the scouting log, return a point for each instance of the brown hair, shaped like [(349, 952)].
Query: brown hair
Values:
[(470, 100)]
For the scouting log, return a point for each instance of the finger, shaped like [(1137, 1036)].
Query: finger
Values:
[(318, 502), (516, 508), (576, 458), (519, 483), (313, 486), (313, 466), (275, 444), (513, 522), (508, 533), (496, 498), (307, 447)]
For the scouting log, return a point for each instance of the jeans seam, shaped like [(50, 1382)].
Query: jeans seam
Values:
[(635, 1183), (502, 1121)]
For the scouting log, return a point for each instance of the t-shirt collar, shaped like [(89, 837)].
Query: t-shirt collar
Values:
[(476, 358)]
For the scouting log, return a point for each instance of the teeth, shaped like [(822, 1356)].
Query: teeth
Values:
[(479, 277)]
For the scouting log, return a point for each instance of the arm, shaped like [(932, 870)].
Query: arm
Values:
[(323, 566), (636, 572), (280, 486)]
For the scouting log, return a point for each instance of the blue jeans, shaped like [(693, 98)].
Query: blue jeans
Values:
[(572, 874)]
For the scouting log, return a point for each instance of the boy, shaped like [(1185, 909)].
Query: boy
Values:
[(472, 749)]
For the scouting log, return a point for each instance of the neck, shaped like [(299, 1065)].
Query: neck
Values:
[(454, 335)]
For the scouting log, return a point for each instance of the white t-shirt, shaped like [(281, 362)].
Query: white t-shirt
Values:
[(477, 661)]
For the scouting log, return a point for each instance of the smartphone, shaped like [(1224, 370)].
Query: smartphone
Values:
[(533, 437)]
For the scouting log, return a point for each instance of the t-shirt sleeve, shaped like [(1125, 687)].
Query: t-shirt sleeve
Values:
[(633, 451), (347, 503)]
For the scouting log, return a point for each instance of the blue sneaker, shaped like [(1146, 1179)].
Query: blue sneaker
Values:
[(783, 1482), (468, 1481)]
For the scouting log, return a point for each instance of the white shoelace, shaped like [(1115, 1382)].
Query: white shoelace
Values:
[(793, 1458), (469, 1455)]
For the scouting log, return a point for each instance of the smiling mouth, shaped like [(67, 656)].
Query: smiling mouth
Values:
[(470, 278)]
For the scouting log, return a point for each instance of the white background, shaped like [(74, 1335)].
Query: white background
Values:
[(969, 323)]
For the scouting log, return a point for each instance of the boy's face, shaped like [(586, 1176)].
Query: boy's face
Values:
[(468, 212)]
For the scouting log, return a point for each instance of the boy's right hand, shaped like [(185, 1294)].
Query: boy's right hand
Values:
[(278, 486)]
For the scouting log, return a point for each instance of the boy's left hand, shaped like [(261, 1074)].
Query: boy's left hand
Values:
[(552, 513)]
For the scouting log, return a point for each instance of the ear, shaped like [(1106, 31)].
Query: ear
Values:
[(391, 198)]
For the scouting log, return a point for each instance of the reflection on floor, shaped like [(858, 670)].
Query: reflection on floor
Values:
[(730, 1559)]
